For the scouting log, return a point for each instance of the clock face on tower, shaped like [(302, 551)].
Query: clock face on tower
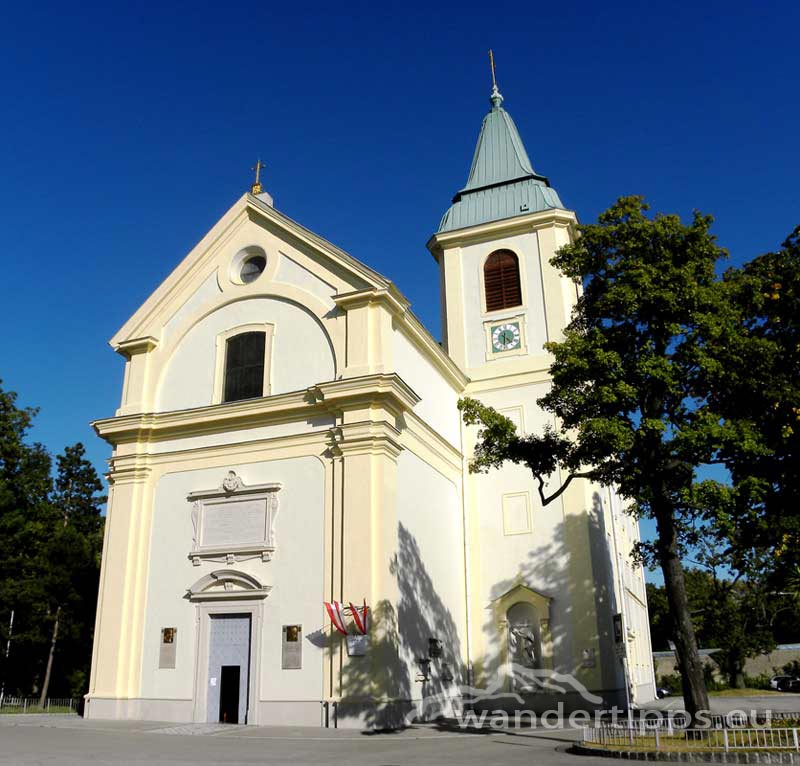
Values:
[(506, 337)]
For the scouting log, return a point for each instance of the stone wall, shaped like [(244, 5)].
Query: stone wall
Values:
[(769, 664)]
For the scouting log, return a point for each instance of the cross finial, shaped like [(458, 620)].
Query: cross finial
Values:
[(495, 98), (258, 167)]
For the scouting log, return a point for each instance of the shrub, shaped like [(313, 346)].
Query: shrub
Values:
[(792, 668), (713, 683), (757, 682)]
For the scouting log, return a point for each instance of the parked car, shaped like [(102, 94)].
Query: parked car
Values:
[(786, 683), (662, 691), (775, 681)]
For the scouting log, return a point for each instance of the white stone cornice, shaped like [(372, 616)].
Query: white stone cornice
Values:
[(367, 437), (310, 239), (386, 390), (127, 471), (168, 290), (503, 228), (136, 346), (391, 299)]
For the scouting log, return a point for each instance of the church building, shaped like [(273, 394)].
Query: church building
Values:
[(289, 466)]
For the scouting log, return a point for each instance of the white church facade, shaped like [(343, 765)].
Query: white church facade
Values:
[(289, 435)]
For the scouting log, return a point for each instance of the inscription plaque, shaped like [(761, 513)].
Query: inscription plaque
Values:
[(234, 522), (357, 644), (292, 649), (168, 648)]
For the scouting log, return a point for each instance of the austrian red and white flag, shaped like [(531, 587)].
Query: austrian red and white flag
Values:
[(335, 611), (360, 617)]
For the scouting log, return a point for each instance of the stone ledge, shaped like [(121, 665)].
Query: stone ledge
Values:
[(751, 756)]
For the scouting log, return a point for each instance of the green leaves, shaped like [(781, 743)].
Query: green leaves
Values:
[(754, 386), (51, 533)]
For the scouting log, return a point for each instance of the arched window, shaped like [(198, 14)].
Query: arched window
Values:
[(501, 281), (244, 366)]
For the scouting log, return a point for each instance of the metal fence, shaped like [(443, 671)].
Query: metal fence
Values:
[(52, 705), (671, 721), (642, 737)]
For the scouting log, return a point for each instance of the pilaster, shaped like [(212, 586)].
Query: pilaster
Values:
[(136, 388), (120, 610), (560, 293), (370, 333)]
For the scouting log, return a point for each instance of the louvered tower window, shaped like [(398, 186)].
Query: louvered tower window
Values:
[(244, 366), (501, 281)]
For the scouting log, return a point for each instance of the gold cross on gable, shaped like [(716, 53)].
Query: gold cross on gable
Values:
[(258, 167)]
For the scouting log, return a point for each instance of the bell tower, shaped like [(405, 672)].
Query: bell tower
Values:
[(501, 299)]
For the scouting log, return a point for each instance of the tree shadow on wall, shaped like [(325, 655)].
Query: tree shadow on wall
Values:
[(382, 687), (574, 570)]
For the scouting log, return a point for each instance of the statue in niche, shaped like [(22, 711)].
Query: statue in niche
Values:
[(522, 645)]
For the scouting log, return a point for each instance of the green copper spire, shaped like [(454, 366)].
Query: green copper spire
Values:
[(502, 182)]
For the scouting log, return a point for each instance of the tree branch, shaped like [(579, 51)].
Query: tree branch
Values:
[(560, 491)]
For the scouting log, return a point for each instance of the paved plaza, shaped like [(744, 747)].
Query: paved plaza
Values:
[(30, 740), (34, 740)]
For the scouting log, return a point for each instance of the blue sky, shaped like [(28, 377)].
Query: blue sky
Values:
[(127, 131)]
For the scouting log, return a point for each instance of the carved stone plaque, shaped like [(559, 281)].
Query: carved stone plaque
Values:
[(292, 647), (357, 644), (234, 521)]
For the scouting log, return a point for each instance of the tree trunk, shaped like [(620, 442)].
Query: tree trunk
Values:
[(695, 696), (736, 672), (46, 684)]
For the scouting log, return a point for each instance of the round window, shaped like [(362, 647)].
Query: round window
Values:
[(252, 268)]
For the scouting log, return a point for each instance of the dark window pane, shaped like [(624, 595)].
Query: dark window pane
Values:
[(501, 281), (252, 268), (244, 366)]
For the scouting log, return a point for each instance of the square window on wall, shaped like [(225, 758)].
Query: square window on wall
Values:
[(516, 416), (516, 513)]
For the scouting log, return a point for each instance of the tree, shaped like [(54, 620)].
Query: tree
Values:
[(25, 484), (51, 533), (753, 373), (736, 618), (76, 546), (626, 394)]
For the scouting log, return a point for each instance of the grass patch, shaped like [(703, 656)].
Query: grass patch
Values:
[(746, 693), (35, 709)]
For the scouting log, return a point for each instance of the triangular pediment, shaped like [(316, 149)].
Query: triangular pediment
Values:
[(324, 269), (520, 592)]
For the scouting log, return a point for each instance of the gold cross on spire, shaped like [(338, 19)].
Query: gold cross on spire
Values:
[(258, 167), (496, 99)]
